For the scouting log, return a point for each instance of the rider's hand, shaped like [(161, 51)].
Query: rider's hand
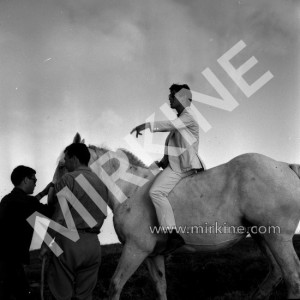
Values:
[(138, 129), (158, 163)]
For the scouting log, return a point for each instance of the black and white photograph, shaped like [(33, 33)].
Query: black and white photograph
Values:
[(150, 149)]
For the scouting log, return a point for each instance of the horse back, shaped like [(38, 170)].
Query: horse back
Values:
[(249, 189)]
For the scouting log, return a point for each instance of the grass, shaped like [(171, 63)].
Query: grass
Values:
[(226, 275)]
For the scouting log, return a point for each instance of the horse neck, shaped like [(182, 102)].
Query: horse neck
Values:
[(118, 190), (136, 177), (140, 177)]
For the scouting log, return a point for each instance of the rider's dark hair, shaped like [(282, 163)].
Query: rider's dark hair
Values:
[(19, 173), (175, 88), (79, 150)]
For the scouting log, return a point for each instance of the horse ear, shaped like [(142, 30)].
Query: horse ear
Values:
[(82, 141), (77, 138)]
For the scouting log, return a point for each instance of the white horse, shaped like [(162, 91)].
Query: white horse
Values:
[(251, 193)]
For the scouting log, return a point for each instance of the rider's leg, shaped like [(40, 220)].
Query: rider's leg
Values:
[(162, 186)]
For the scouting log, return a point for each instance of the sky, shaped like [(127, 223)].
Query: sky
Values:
[(102, 67)]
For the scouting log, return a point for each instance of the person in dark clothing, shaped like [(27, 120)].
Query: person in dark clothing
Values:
[(16, 233)]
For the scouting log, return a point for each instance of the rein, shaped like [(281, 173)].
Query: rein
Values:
[(43, 277)]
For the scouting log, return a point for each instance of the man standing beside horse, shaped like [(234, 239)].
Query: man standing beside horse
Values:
[(181, 157), (75, 272), (16, 233)]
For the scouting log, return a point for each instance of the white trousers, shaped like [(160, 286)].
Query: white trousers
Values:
[(162, 186)]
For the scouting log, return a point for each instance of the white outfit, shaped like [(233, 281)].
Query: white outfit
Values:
[(181, 156)]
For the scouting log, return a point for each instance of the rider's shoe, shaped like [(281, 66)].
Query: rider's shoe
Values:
[(174, 242)]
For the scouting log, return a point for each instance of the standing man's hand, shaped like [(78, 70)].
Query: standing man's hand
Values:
[(140, 128), (44, 192), (44, 252), (47, 188)]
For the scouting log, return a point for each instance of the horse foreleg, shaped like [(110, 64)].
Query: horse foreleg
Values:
[(288, 261), (130, 260), (274, 276), (156, 267)]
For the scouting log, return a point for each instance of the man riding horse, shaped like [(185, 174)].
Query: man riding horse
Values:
[(181, 157)]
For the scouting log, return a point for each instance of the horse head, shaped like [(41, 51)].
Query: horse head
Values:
[(77, 139), (61, 169), (121, 171)]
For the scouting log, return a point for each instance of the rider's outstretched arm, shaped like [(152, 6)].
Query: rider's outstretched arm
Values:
[(140, 128)]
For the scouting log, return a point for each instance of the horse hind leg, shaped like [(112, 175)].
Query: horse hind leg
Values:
[(131, 258), (156, 267), (289, 263), (264, 290)]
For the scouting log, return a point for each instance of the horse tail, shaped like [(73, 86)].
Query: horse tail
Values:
[(295, 168)]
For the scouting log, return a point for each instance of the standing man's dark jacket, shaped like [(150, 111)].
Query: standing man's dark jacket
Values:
[(15, 232)]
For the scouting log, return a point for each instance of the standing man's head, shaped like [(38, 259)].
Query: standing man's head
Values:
[(24, 178), (180, 96), (76, 155)]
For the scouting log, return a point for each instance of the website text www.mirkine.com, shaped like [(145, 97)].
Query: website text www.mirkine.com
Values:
[(217, 228)]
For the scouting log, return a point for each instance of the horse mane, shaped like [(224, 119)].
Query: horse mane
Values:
[(133, 159), (99, 150)]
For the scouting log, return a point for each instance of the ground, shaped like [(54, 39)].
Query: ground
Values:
[(229, 274)]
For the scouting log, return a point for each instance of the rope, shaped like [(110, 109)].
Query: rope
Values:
[(43, 277)]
